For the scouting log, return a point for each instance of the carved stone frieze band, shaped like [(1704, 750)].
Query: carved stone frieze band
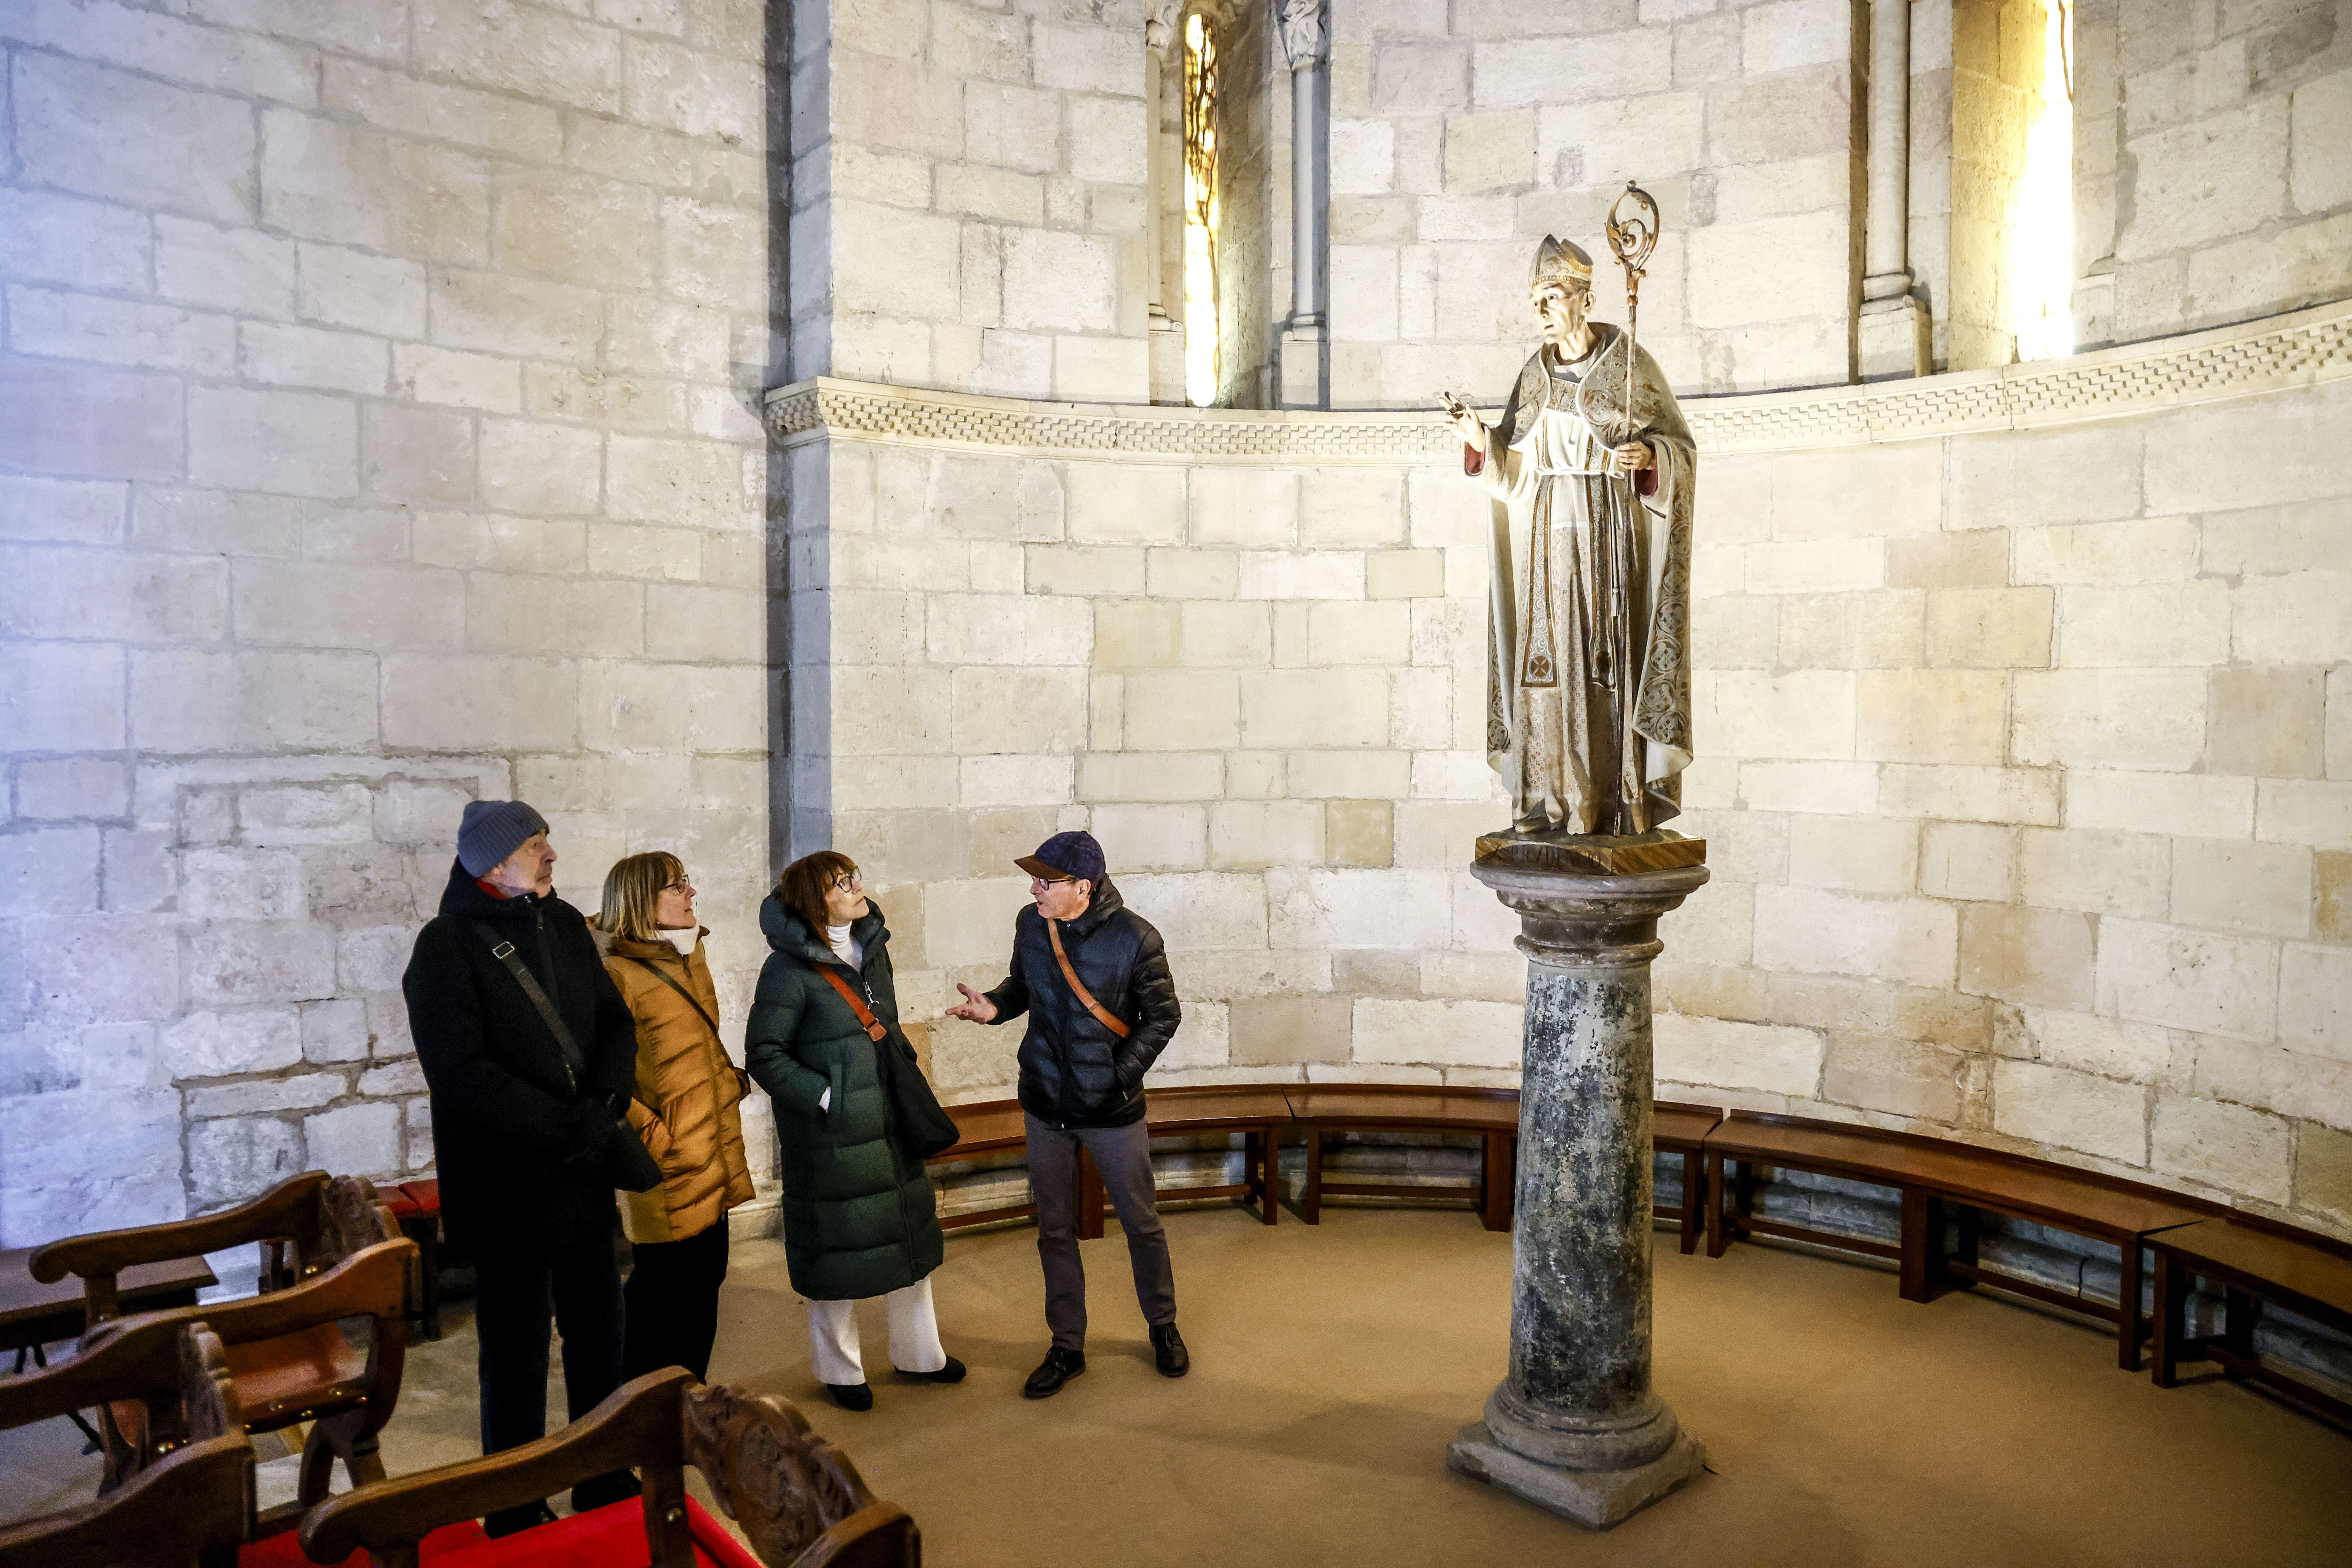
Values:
[(2282, 352)]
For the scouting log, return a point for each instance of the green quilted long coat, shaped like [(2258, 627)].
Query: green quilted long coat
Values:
[(859, 1216)]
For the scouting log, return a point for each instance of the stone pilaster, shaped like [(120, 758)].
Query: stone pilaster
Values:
[(1576, 1427), (1307, 40)]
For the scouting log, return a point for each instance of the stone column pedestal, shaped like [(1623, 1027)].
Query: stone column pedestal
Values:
[(1299, 358), (1894, 334), (1576, 1427)]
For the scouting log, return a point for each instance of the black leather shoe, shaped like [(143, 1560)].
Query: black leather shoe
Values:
[(509, 1521), (1168, 1351), (1058, 1367), (851, 1395), (952, 1373)]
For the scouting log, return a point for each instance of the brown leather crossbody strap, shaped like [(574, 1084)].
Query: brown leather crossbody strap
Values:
[(874, 1026), (690, 999), (1054, 934)]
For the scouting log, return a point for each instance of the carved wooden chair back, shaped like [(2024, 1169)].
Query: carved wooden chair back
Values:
[(318, 1218), (798, 1498), (194, 1504), (291, 1362)]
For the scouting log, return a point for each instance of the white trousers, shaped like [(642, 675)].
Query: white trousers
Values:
[(914, 1336)]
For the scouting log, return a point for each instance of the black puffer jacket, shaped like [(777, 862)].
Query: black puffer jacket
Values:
[(1074, 1072), (507, 1106)]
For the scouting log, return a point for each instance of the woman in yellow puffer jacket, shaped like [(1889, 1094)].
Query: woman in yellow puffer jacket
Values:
[(685, 1109)]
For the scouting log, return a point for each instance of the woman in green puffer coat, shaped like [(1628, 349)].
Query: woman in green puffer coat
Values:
[(859, 1216)]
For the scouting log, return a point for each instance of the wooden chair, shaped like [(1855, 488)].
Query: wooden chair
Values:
[(800, 1500), (291, 1362), (323, 1220), (194, 1504)]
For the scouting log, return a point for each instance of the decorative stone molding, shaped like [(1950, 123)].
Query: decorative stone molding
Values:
[(2302, 349), (1305, 33)]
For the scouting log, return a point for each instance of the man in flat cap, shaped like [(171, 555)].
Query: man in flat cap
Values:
[(531, 1055), (1092, 975)]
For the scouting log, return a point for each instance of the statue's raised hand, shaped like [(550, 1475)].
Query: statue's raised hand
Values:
[(1466, 422)]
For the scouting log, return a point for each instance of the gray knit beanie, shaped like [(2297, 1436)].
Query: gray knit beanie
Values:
[(493, 829)]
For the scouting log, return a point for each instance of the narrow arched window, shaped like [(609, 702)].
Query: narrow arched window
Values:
[(1202, 368)]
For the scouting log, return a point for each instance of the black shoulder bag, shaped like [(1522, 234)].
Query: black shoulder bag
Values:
[(922, 1124), (627, 1162)]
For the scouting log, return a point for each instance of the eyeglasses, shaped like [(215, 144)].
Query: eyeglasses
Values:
[(1051, 881), (849, 884), (680, 885)]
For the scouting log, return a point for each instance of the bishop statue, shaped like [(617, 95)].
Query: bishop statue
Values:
[(1588, 707)]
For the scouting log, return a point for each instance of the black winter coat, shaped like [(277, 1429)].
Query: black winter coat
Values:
[(507, 1106), (1074, 1072), (860, 1218)]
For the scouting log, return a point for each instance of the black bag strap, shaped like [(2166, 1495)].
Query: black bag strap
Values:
[(690, 1001), (575, 1062)]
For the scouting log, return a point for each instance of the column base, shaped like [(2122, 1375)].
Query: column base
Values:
[(1300, 357), (1594, 1498), (1894, 338)]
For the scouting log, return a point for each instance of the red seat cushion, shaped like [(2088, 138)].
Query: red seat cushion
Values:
[(426, 1195), (402, 1205), (285, 1550), (613, 1536)]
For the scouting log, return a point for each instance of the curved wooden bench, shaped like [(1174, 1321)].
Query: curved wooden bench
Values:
[(1930, 1173), (2255, 1262), (1492, 1115), (1257, 1112), (1260, 1112)]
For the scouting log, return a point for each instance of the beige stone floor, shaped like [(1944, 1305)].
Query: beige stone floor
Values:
[(1844, 1425)]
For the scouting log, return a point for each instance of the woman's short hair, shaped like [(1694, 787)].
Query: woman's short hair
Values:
[(802, 886), (631, 888)]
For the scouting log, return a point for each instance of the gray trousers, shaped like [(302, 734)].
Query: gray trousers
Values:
[(1123, 1156)]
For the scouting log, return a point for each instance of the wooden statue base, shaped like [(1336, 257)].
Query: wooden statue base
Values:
[(1593, 854)]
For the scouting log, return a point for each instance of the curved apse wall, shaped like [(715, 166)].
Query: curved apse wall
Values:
[(2025, 713)]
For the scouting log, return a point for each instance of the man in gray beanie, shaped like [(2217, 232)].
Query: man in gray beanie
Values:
[(524, 1116)]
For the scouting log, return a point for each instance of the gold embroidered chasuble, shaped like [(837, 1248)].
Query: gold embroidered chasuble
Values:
[(1587, 660)]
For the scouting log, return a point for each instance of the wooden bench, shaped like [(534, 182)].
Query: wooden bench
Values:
[(2255, 1263), (1681, 1130), (1932, 1174), (1492, 1115), (1257, 1113)]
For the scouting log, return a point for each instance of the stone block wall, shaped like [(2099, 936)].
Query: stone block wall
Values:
[(970, 193), (2214, 184), (1461, 136), (2025, 781), (2024, 765), (378, 429)]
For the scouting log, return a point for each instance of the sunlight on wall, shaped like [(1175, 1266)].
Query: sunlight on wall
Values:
[(1200, 212), (2041, 258)]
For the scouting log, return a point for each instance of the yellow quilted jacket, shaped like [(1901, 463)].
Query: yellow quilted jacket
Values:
[(685, 1105)]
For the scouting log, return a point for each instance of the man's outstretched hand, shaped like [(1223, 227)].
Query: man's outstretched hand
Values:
[(974, 1007)]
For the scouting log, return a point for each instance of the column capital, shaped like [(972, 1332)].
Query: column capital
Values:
[(1159, 24), (1305, 33)]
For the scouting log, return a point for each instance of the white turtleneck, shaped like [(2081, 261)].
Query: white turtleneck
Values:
[(684, 939), (847, 947)]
